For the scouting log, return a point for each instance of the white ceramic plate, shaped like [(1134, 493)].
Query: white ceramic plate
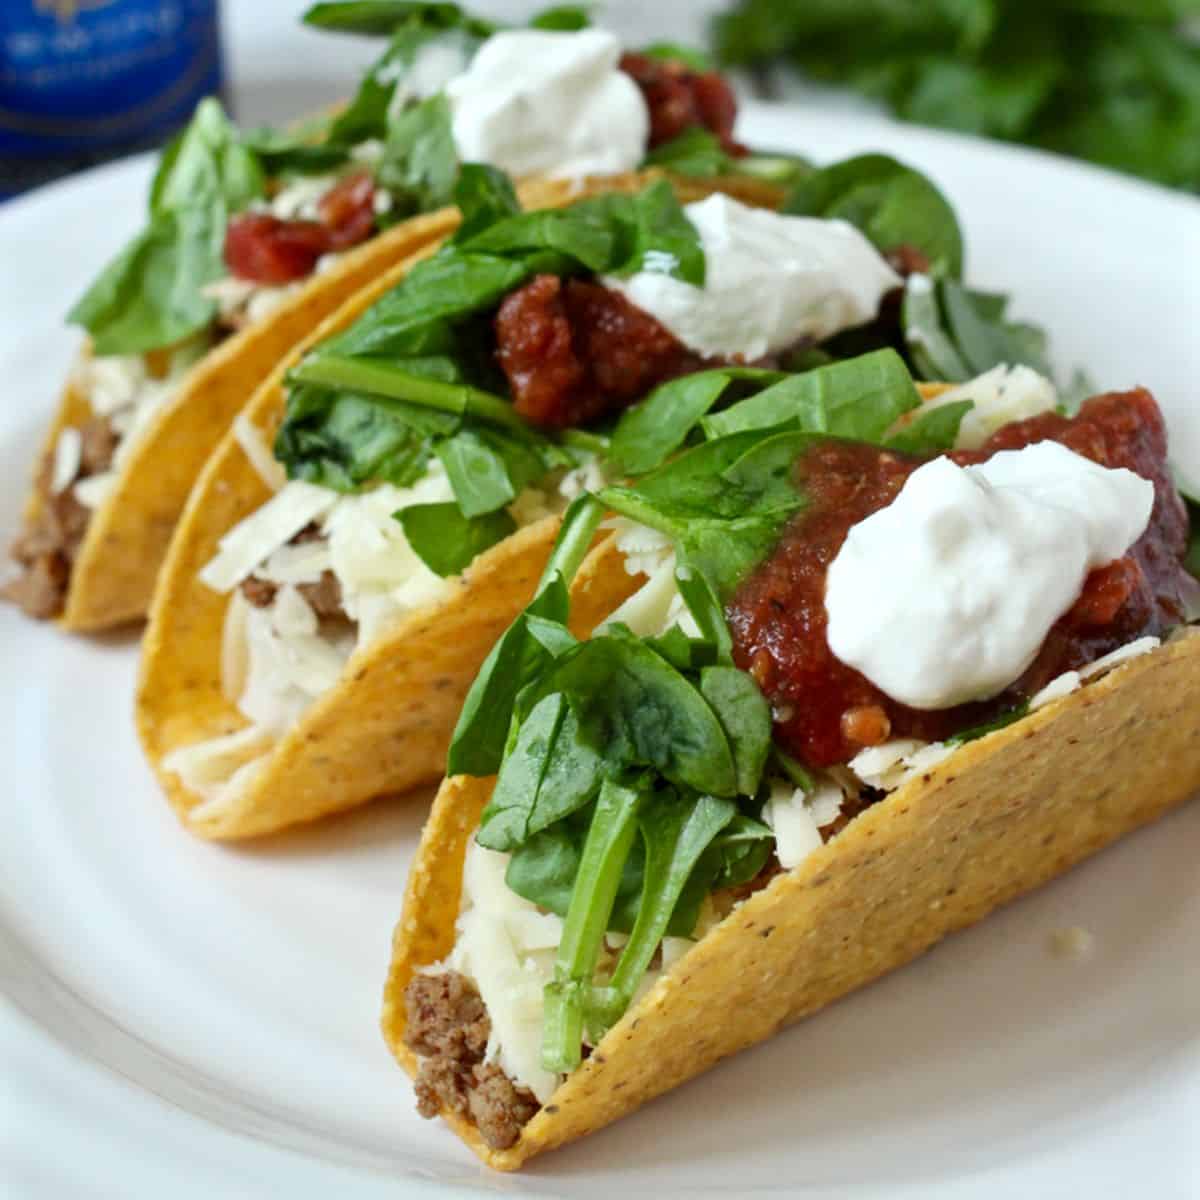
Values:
[(185, 1020)]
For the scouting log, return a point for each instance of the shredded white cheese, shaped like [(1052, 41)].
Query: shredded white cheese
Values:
[(68, 456), (796, 820), (1000, 396), (254, 447), (121, 388)]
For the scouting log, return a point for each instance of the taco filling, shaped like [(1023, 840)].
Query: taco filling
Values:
[(239, 221), (432, 429), (822, 619)]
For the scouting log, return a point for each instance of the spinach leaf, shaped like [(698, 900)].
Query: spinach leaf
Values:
[(150, 295), (342, 440), (564, 18), (933, 432), (448, 542), (860, 398), (692, 58), (663, 239), (550, 771), (702, 602), (484, 195), (609, 840), (420, 163), (677, 831), (282, 153), (698, 152), (745, 717), (544, 868), (954, 334), (638, 711), (893, 204), (723, 502), (649, 432), (477, 747)]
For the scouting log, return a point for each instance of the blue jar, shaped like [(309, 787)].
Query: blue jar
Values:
[(82, 81)]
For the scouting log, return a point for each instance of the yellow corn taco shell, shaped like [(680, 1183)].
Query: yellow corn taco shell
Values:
[(385, 727), (997, 819), (114, 572)]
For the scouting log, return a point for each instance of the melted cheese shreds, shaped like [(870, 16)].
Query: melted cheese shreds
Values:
[(1062, 685), (290, 662), (68, 456), (235, 654), (893, 764), (208, 766), (1118, 656), (510, 957), (254, 447), (650, 610), (1000, 396), (249, 543), (95, 489), (795, 827)]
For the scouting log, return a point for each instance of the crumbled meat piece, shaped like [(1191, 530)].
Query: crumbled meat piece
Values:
[(259, 592), (499, 1109), (575, 351), (41, 588), (324, 597), (47, 546), (448, 1026), (446, 1017), (680, 99), (99, 445)]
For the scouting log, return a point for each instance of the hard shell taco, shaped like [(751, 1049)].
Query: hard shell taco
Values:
[(253, 238), (326, 605), (872, 665)]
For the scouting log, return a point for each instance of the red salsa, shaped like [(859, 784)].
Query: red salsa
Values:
[(267, 249), (826, 712)]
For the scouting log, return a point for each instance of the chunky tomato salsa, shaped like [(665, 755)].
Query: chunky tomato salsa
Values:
[(825, 711)]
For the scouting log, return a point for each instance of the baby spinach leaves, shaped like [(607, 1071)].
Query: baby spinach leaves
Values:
[(150, 295), (954, 334), (447, 541), (893, 204)]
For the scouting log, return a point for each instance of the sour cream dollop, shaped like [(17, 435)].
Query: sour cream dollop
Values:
[(946, 595), (770, 281), (556, 104)]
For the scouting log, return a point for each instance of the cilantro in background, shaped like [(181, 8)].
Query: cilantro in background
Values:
[(1113, 81)]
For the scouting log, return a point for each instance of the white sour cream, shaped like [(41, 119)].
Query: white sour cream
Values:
[(946, 595), (770, 281), (556, 104)]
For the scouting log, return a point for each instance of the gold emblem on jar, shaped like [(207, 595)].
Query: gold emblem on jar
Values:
[(65, 10)]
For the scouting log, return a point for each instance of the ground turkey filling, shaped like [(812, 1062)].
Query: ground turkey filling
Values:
[(448, 1026), (47, 547)]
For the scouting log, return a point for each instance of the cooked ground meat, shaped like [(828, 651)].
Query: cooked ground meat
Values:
[(574, 351), (259, 592), (99, 445), (47, 546), (498, 1107), (324, 597), (680, 99), (448, 1027)]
